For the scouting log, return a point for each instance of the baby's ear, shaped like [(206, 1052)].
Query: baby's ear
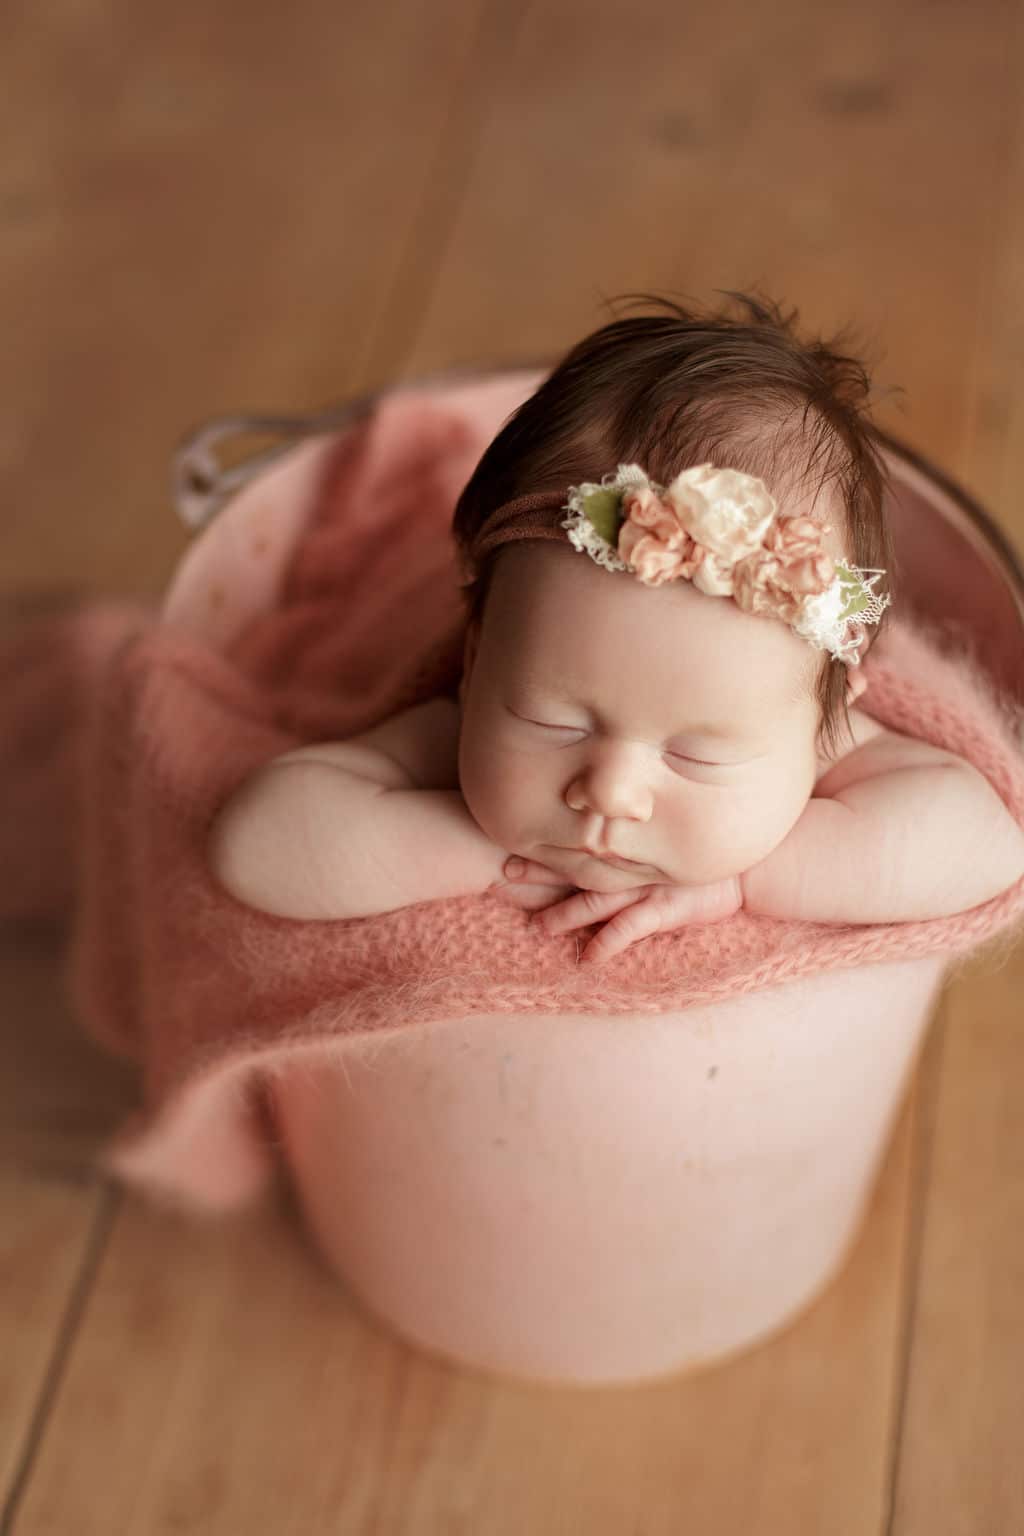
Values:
[(856, 683)]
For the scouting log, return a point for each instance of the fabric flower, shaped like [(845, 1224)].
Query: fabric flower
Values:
[(726, 511), (714, 575), (652, 540), (797, 543), (820, 618), (761, 585)]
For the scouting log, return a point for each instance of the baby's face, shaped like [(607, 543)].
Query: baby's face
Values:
[(590, 704)]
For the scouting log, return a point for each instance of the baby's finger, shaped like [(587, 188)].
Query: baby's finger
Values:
[(584, 908), (530, 898), (528, 872), (635, 923)]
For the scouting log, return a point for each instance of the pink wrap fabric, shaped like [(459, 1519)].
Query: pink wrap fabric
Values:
[(311, 618)]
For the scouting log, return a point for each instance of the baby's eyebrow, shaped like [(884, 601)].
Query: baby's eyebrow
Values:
[(719, 733), (711, 732)]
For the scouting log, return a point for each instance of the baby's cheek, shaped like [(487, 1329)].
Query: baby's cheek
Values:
[(762, 819), (735, 832), (707, 848), (495, 797)]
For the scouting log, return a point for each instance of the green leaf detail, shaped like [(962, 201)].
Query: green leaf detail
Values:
[(603, 511), (852, 590)]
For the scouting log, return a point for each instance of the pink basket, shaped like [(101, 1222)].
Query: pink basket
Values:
[(606, 1191)]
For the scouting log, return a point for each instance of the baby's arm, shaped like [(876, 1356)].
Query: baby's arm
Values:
[(899, 832), (358, 827)]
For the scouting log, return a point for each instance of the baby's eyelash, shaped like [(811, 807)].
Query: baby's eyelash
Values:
[(701, 763), (545, 725)]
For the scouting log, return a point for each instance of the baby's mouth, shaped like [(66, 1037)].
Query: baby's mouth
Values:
[(616, 861)]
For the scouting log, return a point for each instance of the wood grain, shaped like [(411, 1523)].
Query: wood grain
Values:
[(204, 209), (812, 150), (60, 1096), (960, 1471), (46, 1228), (59, 1099)]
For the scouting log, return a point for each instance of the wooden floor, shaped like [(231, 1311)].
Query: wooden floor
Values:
[(209, 207)]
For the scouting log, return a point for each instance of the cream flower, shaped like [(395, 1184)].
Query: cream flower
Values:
[(820, 617), (714, 575), (726, 511)]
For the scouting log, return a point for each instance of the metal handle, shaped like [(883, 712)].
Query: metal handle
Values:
[(200, 484)]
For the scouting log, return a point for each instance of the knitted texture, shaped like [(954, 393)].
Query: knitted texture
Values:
[(209, 996)]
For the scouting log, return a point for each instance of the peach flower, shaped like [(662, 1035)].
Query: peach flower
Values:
[(797, 543), (642, 506), (651, 540), (761, 585)]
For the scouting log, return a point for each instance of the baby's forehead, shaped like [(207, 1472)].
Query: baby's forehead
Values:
[(563, 625)]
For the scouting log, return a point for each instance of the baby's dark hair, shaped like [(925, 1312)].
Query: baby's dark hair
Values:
[(738, 387)]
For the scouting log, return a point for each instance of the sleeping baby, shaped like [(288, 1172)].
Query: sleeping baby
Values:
[(675, 554)]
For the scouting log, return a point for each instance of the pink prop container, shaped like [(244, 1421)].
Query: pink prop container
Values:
[(584, 1199)]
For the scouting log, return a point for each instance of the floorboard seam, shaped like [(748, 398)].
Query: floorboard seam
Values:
[(458, 146), (929, 1079), (95, 1246)]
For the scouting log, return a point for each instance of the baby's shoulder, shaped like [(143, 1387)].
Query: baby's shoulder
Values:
[(424, 740), (872, 748)]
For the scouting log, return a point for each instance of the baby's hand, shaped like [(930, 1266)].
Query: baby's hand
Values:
[(635, 914), (530, 886)]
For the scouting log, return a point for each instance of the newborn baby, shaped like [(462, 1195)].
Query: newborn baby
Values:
[(672, 548)]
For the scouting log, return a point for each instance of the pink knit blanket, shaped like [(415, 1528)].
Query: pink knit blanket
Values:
[(140, 730)]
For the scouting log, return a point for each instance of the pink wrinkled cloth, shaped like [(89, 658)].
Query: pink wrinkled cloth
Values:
[(125, 730)]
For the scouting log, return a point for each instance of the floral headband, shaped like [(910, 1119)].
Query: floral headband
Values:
[(718, 528)]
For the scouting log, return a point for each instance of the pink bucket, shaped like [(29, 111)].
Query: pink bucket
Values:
[(583, 1198)]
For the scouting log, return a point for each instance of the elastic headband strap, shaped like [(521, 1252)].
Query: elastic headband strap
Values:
[(537, 516)]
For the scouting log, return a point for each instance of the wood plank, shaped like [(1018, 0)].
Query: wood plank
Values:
[(812, 150), (59, 1098), (225, 1382), (959, 1470), (993, 458), (204, 209), (60, 1095), (46, 1227)]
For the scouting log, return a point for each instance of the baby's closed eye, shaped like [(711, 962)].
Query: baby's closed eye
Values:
[(575, 731), (567, 735)]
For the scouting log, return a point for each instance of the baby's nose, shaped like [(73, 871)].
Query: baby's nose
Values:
[(614, 783)]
